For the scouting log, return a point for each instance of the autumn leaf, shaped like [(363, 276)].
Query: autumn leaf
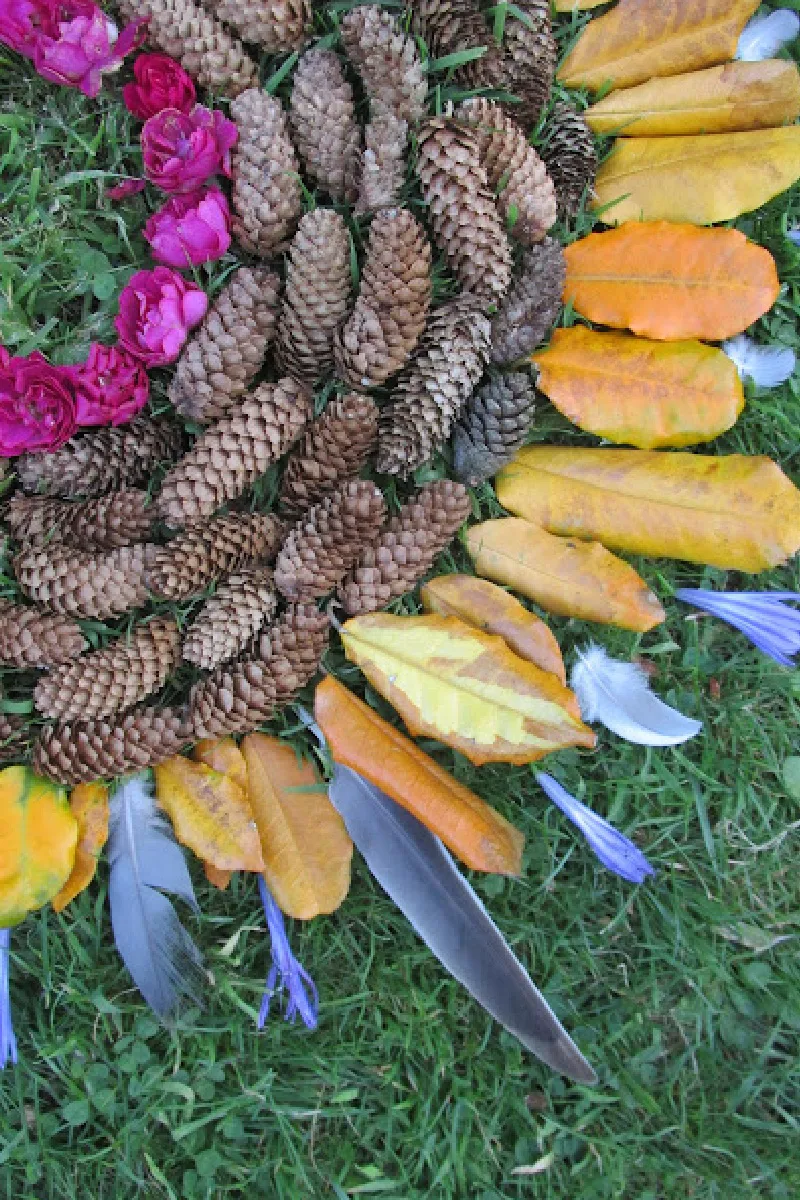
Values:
[(671, 282), (486, 606), (218, 879), (645, 393), (37, 847), (88, 803), (210, 814), (223, 755), (639, 39), (360, 739), (567, 577), (465, 687), (738, 512)]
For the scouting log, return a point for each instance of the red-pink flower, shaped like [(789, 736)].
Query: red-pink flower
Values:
[(127, 187), (190, 230), (156, 311), (160, 82), (182, 150), (38, 405), (112, 386)]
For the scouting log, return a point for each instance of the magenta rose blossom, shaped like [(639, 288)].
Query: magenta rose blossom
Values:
[(128, 187), (156, 311), (159, 82), (22, 21), (190, 229), (38, 405), (182, 150), (112, 386)]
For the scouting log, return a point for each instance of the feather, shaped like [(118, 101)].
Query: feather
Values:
[(618, 695), (767, 366), (764, 36), (145, 862), (794, 235)]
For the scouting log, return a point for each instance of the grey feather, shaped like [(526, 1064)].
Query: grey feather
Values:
[(145, 862)]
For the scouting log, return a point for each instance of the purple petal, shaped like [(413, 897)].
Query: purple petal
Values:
[(8, 1043), (286, 972), (772, 626)]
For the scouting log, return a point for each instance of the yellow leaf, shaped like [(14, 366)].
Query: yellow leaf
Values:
[(465, 687), (737, 512), (89, 805), (210, 814), (307, 850), (37, 846), (727, 99), (648, 394), (223, 755), (567, 577)]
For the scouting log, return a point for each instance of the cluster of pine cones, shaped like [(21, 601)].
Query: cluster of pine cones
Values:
[(94, 540)]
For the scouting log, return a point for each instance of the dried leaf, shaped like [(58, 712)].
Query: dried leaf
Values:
[(223, 755), (37, 847), (210, 814), (89, 805), (219, 879)]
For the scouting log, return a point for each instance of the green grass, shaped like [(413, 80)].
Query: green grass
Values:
[(679, 992)]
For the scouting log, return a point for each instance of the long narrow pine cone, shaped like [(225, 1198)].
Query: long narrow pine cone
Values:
[(407, 548), (112, 680), (266, 196), (103, 524), (80, 583), (452, 26), (232, 454), (333, 451), (492, 428), (531, 307), (82, 751), (276, 25), (194, 560), (318, 285), (434, 388), (389, 315), (324, 544), (387, 60), (236, 698), (571, 157), (462, 209), (323, 123), (241, 605), (526, 191), (293, 647), (29, 638), (529, 59), (13, 738), (383, 163), (218, 363)]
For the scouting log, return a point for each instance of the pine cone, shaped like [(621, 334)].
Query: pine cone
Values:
[(387, 60), (29, 638), (323, 123), (13, 738), (450, 26), (114, 679), (266, 195), (244, 602), (324, 544), (392, 304), (407, 548), (383, 166), (529, 59), (218, 363), (194, 560), (332, 452), (231, 455), (526, 190), (528, 312), (462, 210), (104, 524), (434, 387), (81, 584), (276, 25), (570, 155), (292, 649), (236, 698), (492, 428), (318, 284), (102, 461), (81, 751)]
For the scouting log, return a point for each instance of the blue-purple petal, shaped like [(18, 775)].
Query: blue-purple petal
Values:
[(8, 1042), (286, 973), (772, 626)]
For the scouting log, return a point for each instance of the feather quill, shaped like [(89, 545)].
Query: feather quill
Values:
[(146, 862), (767, 366), (764, 36), (618, 695)]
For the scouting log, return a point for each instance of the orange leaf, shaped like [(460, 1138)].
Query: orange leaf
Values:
[(89, 805), (671, 282), (210, 813), (363, 741), (223, 755), (220, 879)]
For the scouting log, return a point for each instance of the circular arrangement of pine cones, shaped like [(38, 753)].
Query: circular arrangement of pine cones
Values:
[(369, 331)]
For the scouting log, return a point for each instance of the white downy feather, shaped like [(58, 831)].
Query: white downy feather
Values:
[(767, 366), (618, 695), (764, 36)]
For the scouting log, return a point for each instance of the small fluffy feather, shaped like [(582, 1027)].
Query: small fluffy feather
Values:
[(767, 366), (764, 36)]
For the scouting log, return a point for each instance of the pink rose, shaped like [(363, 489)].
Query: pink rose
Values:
[(156, 311), (160, 82), (37, 405), (190, 230), (181, 151), (128, 187), (71, 42), (112, 386), (21, 22)]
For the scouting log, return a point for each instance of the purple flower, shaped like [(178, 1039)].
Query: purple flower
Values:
[(190, 229), (771, 626), (8, 1043), (182, 150), (615, 851), (156, 311), (286, 971)]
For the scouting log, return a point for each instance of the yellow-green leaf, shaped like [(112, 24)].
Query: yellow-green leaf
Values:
[(210, 814), (37, 846), (88, 803)]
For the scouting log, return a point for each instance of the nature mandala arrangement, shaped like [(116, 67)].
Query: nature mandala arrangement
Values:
[(373, 355)]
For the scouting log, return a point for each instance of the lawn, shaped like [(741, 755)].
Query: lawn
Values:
[(683, 993)]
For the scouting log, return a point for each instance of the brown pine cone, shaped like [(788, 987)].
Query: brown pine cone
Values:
[(323, 123), (103, 460), (387, 60), (407, 548), (82, 584), (114, 679), (82, 751), (275, 25), (292, 649), (383, 163), (266, 196), (393, 301), (334, 450), (462, 209), (194, 560), (218, 363), (231, 455), (29, 638), (236, 698), (492, 428), (434, 387), (450, 26), (327, 540), (531, 307), (104, 524), (529, 59), (318, 284), (571, 157), (13, 738), (241, 605), (526, 190)]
